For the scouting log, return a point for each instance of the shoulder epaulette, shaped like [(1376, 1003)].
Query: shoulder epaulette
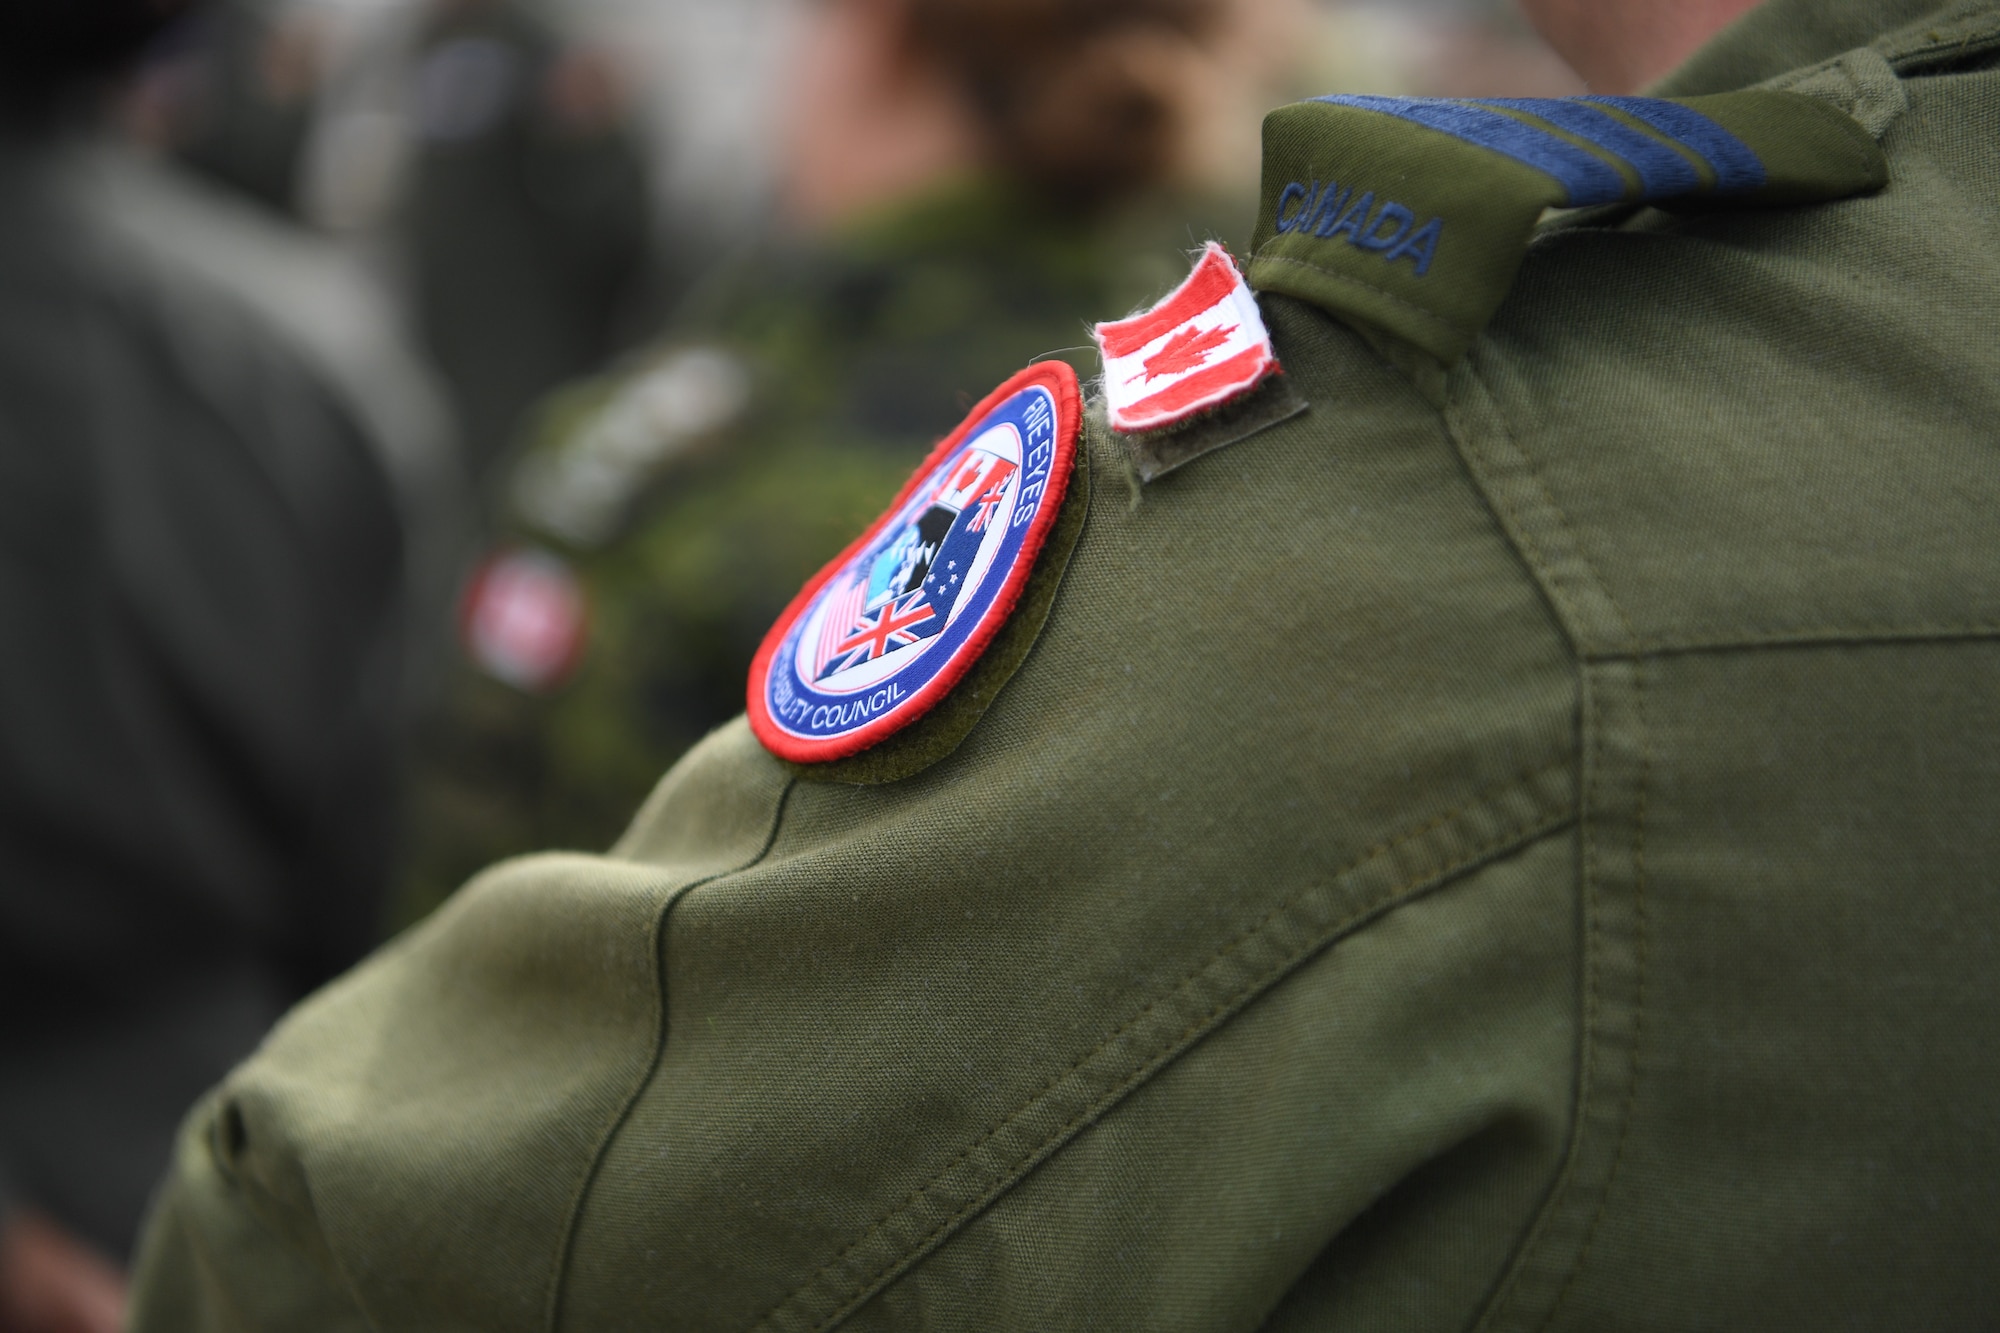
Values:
[(1412, 215)]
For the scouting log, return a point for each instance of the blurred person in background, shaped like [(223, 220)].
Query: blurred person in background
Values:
[(221, 492), (483, 158), (527, 219), (231, 93), (962, 177)]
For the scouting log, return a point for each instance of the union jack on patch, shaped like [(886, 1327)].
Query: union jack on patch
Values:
[(872, 634)]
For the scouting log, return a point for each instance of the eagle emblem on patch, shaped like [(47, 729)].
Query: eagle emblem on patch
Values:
[(887, 629), (1197, 349)]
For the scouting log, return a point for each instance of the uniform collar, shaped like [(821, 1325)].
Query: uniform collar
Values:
[(1783, 35)]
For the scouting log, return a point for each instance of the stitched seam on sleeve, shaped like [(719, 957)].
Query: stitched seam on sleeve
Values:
[(1753, 638), (1529, 545), (559, 1284), (1584, 625), (1556, 513), (1550, 820), (1504, 1294), (1639, 992), (1952, 38)]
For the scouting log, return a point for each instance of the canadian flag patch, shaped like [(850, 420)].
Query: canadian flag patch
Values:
[(1203, 345)]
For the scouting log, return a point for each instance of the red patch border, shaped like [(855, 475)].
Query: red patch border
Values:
[(1059, 378)]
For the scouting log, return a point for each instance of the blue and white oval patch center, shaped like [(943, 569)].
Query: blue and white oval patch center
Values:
[(900, 600), (896, 621)]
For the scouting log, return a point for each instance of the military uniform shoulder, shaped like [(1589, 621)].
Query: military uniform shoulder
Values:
[(1411, 216)]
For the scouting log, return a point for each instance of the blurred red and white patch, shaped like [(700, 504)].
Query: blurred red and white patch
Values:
[(524, 619), (1202, 346)]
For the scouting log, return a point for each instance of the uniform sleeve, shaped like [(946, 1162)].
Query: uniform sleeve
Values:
[(210, 1262), (1223, 977)]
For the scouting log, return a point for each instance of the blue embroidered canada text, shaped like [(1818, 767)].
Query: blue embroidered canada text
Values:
[(1390, 230)]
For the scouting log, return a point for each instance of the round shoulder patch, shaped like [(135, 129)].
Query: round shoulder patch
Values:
[(884, 632)]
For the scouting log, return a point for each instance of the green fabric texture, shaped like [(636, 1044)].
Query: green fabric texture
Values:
[(1511, 856), (1322, 161), (1780, 36), (1154, 453), (481, 989)]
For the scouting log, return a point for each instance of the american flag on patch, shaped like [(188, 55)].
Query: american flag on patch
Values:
[(843, 609), (1203, 345)]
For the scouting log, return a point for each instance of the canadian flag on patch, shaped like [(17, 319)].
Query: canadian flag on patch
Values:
[(1200, 347)]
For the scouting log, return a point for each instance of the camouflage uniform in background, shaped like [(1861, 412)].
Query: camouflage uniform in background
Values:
[(696, 492)]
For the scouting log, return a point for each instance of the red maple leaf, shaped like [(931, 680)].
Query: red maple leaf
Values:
[(1185, 351)]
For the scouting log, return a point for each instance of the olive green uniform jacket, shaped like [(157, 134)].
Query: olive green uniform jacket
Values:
[(1515, 855)]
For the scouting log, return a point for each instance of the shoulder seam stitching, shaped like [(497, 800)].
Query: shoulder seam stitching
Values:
[(559, 1281), (1366, 286), (1755, 639), (1577, 624)]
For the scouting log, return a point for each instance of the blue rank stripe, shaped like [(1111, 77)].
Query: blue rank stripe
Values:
[(1663, 173), (1586, 178), (1736, 168)]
